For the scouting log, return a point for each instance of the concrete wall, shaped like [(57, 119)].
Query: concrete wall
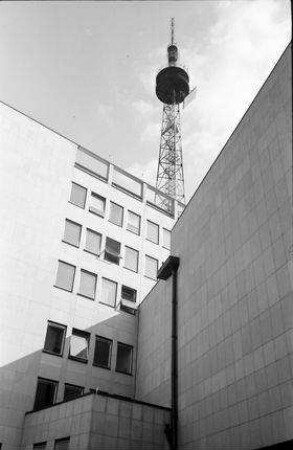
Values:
[(235, 293), (98, 422)]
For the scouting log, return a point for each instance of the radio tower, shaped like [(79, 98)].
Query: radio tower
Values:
[(172, 86)]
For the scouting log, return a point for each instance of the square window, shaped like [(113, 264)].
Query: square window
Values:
[(87, 286), (109, 292), (98, 204), (131, 259), (128, 299), (72, 233), (124, 358), (39, 446), (78, 195), (65, 276), (152, 232), (116, 214), (79, 345), (62, 444), (133, 223), (166, 238), (112, 251), (103, 350), (151, 267), (93, 242), (55, 338), (45, 393), (72, 391)]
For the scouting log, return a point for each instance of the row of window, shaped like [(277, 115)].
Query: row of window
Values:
[(112, 251), (79, 347), (88, 286), (116, 215), (59, 444)]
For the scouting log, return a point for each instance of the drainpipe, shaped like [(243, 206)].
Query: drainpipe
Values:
[(170, 268)]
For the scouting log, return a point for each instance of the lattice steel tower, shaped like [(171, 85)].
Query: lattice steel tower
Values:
[(172, 86)]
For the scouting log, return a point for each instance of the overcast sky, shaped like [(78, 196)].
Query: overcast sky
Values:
[(87, 70)]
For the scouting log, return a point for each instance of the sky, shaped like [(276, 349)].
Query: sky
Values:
[(87, 69)]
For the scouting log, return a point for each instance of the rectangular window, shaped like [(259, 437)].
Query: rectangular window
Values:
[(98, 204), (166, 238), (45, 393), (79, 345), (87, 286), (133, 223), (109, 291), (93, 242), (55, 338), (151, 267), (62, 444), (124, 358), (78, 195), (103, 350), (72, 391), (112, 251), (72, 233), (131, 259), (152, 232), (128, 299), (65, 276), (116, 214), (39, 446)]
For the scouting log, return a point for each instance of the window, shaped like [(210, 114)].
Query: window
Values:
[(55, 337), (109, 290), (151, 267), (166, 238), (65, 276), (93, 242), (40, 446), (45, 393), (152, 232), (78, 195), (62, 444), (71, 391), (103, 350), (133, 223), (72, 233), (124, 358), (116, 214), (98, 204), (79, 345), (112, 251), (131, 259), (128, 299), (87, 286)]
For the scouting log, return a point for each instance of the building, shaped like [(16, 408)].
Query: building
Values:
[(235, 312)]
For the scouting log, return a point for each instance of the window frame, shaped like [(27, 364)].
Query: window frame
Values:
[(48, 381), (72, 385), (95, 289), (73, 278), (124, 308), (56, 325), (122, 215), (86, 190), (93, 209), (110, 253), (87, 336), (101, 301), (97, 233), (139, 226), (137, 260), (129, 372), (147, 276), (110, 341), (158, 227), (80, 231)]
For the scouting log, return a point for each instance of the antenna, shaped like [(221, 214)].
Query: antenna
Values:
[(172, 26)]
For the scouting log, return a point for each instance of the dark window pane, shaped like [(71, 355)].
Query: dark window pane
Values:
[(124, 358), (71, 391), (40, 446), (45, 393), (112, 251), (62, 444), (102, 356), (55, 338)]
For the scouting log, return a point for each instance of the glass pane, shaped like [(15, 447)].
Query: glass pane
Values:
[(78, 195), (72, 233), (109, 289), (153, 232), (41, 446), (87, 284), (98, 204), (62, 444), (72, 391), (131, 259), (127, 182), (166, 238), (54, 339), (79, 347), (151, 267), (65, 276), (112, 251), (116, 214), (124, 358), (45, 394), (102, 355), (133, 222), (128, 294), (92, 163), (93, 242)]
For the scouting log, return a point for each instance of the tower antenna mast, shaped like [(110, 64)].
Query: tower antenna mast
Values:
[(172, 86)]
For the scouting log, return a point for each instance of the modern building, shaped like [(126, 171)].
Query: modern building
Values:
[(81, 243)]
